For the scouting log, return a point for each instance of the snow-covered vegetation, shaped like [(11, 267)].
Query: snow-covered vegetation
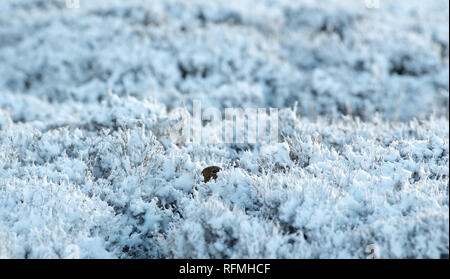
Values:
[(87, 170)]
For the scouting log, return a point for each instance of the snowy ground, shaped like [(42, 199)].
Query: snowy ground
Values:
[(363, 156)]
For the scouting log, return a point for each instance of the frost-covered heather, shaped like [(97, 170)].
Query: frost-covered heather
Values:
[(87, 171)]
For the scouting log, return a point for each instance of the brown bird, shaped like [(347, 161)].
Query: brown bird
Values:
[(210, 172)]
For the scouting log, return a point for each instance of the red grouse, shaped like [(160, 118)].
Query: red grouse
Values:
[(210, 172)]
